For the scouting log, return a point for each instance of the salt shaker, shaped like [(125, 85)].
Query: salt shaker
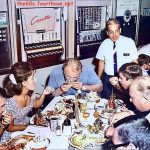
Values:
[(58, 130)]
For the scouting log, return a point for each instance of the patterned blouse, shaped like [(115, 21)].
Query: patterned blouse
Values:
[(19, 114)]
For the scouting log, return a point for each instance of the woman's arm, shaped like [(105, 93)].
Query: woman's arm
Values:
[(39, 101), (13, 128)]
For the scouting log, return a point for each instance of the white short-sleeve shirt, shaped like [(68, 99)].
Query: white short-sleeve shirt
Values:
[(144, 50), (126, 52)]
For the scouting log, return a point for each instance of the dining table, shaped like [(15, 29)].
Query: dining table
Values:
[(57, 141)]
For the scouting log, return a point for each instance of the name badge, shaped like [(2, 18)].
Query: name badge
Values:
[(126, 54)]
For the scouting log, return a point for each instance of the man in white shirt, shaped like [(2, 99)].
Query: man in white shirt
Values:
[(124, 48), (145, 50)]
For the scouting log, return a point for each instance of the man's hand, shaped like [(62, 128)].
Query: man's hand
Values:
[(65, 87), (48, 90), (120, 115), (77, 85), (114, 81), (109, 131), (7, 118)]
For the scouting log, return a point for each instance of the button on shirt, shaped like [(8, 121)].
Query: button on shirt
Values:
[(126, 52)]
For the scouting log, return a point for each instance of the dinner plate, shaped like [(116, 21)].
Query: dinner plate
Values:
[(71, 144), (37, 145), (106, 115), (67, 97), (89, 146), (41, 125)]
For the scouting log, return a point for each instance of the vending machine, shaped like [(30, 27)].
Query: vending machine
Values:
[(90, 22), (144, 23), (42, 27), (5, 51), (127, 14)]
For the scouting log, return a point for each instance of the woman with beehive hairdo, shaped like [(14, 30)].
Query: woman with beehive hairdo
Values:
[(18, 85)]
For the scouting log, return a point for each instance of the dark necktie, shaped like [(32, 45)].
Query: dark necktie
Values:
[(115, 59)]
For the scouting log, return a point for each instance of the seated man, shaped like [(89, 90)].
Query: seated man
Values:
[(5, 117), (140, 96), (127, 73), (132, 133), (139, 92), (144, 63), (72, 76)]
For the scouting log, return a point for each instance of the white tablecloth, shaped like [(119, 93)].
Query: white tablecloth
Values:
[(56, 142)]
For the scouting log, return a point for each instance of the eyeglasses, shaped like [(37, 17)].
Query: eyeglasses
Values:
[(68, 78)]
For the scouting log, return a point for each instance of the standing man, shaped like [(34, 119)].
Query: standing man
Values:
[(113, 53)]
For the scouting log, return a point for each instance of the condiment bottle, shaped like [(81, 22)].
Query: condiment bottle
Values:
[(67, 129), (111, 102)]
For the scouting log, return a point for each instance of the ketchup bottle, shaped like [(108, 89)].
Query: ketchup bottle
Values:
[(111, 102)]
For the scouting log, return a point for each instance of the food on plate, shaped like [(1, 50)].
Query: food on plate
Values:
[(96, 114), (51, 113), (63, 108), (68, 101), (97, 126), (86, 114), (77, 140), (40, 121), (16, 143), (82, 141), (72, 84), (93, 97)]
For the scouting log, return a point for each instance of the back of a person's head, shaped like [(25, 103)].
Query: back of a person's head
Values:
[(142, 85), (143, 59), (19, 72), (131, 70), (73, 63), (112, 21), (136, 131)]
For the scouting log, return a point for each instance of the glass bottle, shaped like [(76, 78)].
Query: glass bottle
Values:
[(67, 129), (111, 102)]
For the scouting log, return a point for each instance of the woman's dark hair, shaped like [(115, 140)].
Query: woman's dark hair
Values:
[(130, 70), (2, 92), (21, 71)]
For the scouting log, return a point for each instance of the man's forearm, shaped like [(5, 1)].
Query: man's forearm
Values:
[(100, 68), (96, 87)]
